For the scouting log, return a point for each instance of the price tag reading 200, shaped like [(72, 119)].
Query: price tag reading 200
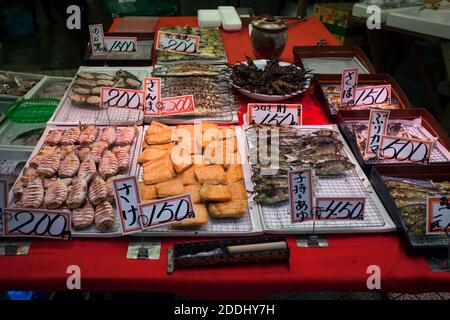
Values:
[(404, 149), (122, 98), (274, 114), (166, 211), (175, 42)]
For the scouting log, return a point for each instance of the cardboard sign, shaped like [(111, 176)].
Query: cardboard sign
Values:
[(300, 195), (37, 223), (336, 208), (166, 211), (405, 149), (179, 43), (438, 214), (366, 96), (176, 105), (97, 39), (120, 44), (3, 200), (126, 192), (122, 98), (378, 121), (152, 89), (274, 114), (349, 82)]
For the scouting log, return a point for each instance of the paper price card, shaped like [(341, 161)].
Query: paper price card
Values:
[(378, 121), (97, 39), (300, 195), (122, 98), (365, 96), (349, 82), (152, 89), (337, 208), (175, 42), (274, 114), (438, 214), (176, 105), (3, 200), (37, 223), (120, 44), (404, 149), (166, 211), (126, 192)]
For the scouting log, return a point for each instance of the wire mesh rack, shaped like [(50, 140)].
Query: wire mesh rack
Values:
[(332, 65)]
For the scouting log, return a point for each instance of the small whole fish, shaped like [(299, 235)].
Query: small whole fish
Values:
[(333, 167)]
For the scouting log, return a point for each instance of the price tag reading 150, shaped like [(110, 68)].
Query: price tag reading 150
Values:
[(274, 114), (180, 43)]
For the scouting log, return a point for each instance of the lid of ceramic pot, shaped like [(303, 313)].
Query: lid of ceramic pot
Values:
[(269, 24)]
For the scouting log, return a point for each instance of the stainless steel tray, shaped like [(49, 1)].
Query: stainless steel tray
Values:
[(26, 76), (38, 90), (332, 65)]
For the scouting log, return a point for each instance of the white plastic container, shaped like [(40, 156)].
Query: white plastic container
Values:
[(230, 18), (209, 18)]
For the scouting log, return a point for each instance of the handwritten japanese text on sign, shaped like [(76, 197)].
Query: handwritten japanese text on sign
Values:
[(152, 88), (97, 38), (175, 42), (404, 149), (335, 208), (365, 96), (300, 195), (37, 223), (167, 211), (127, 199), (120, 44), (378, 122), (3, 200), (274, 114), (176, 105), (438, 214), (348, 84), (122, 98)]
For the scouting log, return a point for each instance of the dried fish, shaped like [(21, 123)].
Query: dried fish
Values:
[(33, 195), (97, 191), (55, 195), (108, 166), (83, 217), (71, 136), (49, 165), (77, 193), (98, 147), (88, 135), (104, 216), (88, 170)]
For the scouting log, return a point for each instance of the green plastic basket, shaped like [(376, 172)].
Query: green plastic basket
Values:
[(31, 110)]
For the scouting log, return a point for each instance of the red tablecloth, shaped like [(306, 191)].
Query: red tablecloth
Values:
[(340, 267)]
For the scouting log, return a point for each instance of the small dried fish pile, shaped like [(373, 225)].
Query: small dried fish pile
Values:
[(15, 85), (333, 96), (54, 89), (410, 197), (87, 85), (283, 149), (73, 170), (188, 69), (273, 80), (210, 47)]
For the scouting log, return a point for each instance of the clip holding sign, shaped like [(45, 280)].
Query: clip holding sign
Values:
[(274, 114)]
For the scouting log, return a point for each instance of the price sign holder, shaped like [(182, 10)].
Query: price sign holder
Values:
[(147, 250), (15, 248), (314, 240)]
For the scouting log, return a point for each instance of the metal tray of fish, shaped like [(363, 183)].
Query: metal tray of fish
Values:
[(70, 113), (248, 225), (20, 136), (276, 218), (330, 65), (51, 87), (92, 231), (413, 123), (14, 85), (425, 179)]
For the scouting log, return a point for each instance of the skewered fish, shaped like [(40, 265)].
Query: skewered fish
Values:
[(108, 166), (108, 135), (126, 136), (49, 165), (123, 159), (71, 136), (47, 182), (41, 155), (83, 217), (98, 147), (55, 195), (83, 153), (33, 194), (88, 170), (54, 137), (104, 216), (77, 193), (69, 166), (97, 191), (110, 189), (88, 135)]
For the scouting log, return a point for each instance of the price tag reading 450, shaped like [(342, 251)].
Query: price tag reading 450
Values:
[(340, 208), (122, 98), (438, 215), (274, 114), (167, 211), (37, 223), (404, 149), (175, 42)]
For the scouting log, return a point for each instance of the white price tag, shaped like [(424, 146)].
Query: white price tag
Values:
[(152, 88), (179, 43), (274, 114), (349, 82), (166, 211), (336, 208), (438, 214), (97, 39), (120, 44), (366, 96), (177, 105), (126, 192), (122, 98), (300, 195), (37, 223), (404, 149), (3, 200), (378, 121)]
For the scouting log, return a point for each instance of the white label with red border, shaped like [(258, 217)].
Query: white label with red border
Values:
[(378, 121), (300, 195), (337, 208), (126, 192), (176, 105), (366, 96), (176, 42), (3, 200), (37, 223), (166, 211), (274, 114), (438, 214), (152, 89), (120, 44), (97, 38), (122, 98), (349, 81), (405, 149)]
